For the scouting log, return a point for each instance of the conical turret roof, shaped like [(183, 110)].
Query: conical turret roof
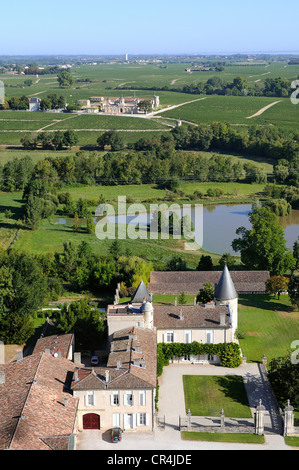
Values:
[(225, 289), (141, 293)]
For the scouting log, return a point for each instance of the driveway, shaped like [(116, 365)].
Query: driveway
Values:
[(172, 404)]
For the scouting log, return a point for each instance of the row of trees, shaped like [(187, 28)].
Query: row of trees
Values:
[(50, 140), (239, 86)]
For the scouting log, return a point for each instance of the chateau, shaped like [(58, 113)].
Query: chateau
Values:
[(117, 106)]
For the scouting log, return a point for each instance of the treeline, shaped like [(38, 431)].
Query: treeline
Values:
[(239, 86), (127, 167), (52, 101), (50, 140)]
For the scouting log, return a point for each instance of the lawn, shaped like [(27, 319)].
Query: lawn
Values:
[(222, 437), (208, 395), (271, 326)]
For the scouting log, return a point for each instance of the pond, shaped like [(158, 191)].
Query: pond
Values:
[(220, 223)]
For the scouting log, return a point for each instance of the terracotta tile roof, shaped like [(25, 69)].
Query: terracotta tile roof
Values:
[(56, 344), (174, 282), (123, 364), (32, 404), (168, 316)]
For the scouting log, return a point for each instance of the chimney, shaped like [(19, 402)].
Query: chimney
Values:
[(107, 376), (66, 402), (194, 301), (2, 377), (76, 376), (118, 364), (181, 316), (132, 334), (19, 355), (112, 347), (222, 319), (128, 347), (138, 347), (175, 301), (77, 358)]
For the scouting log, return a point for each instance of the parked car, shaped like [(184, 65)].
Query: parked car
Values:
[(94, 360), (116, 434)]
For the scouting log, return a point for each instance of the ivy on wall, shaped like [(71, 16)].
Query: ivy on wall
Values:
[(229, 353)]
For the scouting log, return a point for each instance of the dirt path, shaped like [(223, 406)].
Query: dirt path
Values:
[(261, 111), (174, 107)]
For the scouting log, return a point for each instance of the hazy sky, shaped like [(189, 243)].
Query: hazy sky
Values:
[(147, 27)]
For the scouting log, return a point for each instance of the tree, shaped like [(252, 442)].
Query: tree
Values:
[(65, 79), (182, 298), (145, 106), (205, 263), (294, 290), (276, 285), (111, 139), (86, 322), (206, 293), (264, 246), (296, 253), (76, 222), (16, 328), (284, 379), (227, 259), (90, 226), (70, 139)]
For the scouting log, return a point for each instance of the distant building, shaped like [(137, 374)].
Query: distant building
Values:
[(34, 103), (122, 105)]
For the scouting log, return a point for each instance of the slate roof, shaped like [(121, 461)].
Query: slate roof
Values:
[(174, 282), (225, 289), (140, 294), (33, 415), (194, 316)]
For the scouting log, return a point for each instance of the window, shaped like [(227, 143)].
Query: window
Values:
[(142, 419), (169, 337), (128, 398), (90, 399), (115, 399), (142, 398), (210, 336), (188, 336)]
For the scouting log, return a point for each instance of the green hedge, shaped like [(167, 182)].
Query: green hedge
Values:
[(229, 353)]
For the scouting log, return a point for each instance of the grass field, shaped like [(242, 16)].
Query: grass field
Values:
[(105, 78), (218, 437), (271, 326), (207, 395)]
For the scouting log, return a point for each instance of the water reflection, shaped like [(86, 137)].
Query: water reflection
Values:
[(221, 223)]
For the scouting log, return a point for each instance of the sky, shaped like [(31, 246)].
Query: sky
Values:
[(97, 27)]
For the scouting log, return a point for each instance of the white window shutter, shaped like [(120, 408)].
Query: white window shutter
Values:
[(147, 419), (174, 337), (134, 420), (112, 399), (138, 419), (163, 338), (125, 399)]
